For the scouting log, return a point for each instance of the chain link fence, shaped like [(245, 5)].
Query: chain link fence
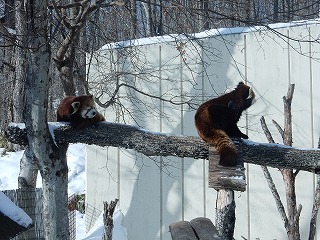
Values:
[(31, 202)]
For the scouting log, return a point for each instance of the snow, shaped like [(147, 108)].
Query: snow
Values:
[(18, 125), (9, 209), (119, 232), (96, 231), (76, 155), (53, 126), (278, 145), (204, 34)]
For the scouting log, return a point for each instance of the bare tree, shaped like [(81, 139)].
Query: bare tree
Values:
[(292, 217), (50, 159), (21, 61), (7, 68)]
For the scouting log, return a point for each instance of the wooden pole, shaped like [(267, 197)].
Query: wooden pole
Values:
[(225, 180), (108, 218), (225, 213)]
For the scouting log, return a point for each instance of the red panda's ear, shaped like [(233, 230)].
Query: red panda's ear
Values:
[(75, 106), (91, 96)]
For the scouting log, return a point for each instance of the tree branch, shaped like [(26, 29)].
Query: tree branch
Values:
[(118, 86), (159, 144), (269, 179), (315, 208)]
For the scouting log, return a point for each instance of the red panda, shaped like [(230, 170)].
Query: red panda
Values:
[(80, 111), (216, 121)]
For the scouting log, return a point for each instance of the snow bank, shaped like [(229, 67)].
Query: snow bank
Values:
[(119, 232), (76, 156), (12, 211), (10, 165)]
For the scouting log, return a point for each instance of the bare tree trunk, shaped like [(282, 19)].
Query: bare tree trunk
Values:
[(20, 59), (7, 66), (80, 65), (50, 159), (147, 24), (225, 213), (291, 219), (55, 194), (134, 28), (67, 63), (28, 170), (204, 15), (108, 218), (315, 208), (289, 176)]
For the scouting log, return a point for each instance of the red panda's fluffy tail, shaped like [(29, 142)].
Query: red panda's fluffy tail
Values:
[(224, 145)]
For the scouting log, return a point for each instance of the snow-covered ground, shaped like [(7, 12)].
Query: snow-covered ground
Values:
[(9, 163), (9, 209)]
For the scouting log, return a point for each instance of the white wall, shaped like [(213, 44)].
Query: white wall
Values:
[(155, 192)]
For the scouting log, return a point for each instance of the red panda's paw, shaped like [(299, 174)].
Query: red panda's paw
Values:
[(244, 136), (228, 158), (99, 118)]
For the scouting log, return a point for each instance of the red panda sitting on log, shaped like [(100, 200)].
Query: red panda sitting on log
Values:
[(216, 121), (80, 111)]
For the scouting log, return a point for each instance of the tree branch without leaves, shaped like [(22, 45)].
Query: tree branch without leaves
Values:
[(119, 85), (291, 219), (158, 144), (315, 208), (86, 8), (269, 179)]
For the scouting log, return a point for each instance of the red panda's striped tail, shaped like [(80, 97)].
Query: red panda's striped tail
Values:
[(224, 145)]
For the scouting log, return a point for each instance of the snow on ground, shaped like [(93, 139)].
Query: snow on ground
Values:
[(8, 208), (76, 155), (9, 165), (119, 232)]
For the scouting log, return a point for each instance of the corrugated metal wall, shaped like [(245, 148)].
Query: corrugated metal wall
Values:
[(155, 192)]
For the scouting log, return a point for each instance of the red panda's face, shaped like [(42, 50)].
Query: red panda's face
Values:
[(244, 93), (88, 112), (86, 109)]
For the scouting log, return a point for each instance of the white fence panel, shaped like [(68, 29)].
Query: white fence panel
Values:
[(155, 192)]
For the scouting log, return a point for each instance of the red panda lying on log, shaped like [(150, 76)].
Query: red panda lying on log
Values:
[(80, 111)]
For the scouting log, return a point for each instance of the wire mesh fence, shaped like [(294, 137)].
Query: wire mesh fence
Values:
[(31, 202), (92, 214)]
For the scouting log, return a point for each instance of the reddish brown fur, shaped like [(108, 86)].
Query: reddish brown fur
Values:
[(65, 111), (216, 121)]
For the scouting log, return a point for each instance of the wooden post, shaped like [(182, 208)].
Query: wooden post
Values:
[(225, 180), (231, 178), (108, 218), (225, 213)]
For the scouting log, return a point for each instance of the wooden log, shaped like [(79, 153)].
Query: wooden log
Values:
[(182, 231), (160, 144), (229, 178), (197, 229), (205, 229)]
